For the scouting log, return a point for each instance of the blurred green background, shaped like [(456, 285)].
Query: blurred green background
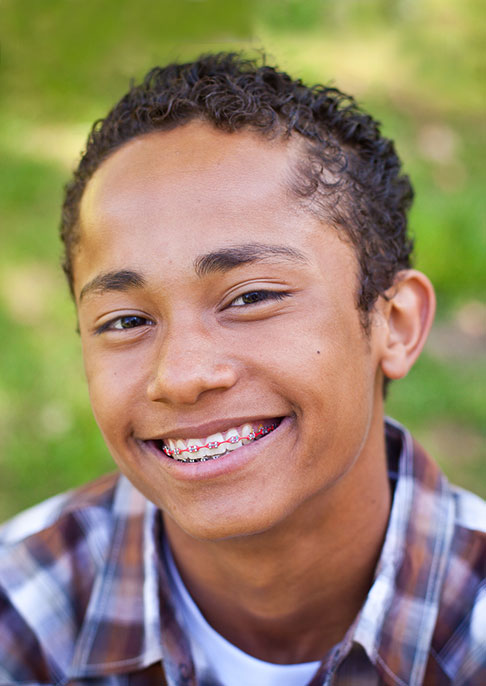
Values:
[(415, 64)]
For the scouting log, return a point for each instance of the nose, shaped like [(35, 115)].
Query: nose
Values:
[(188, 365)]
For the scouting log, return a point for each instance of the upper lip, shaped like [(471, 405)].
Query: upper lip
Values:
[(212, 427)]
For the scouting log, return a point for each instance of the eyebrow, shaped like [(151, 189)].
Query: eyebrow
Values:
[(218, 261), (228, 258), (121, 280)]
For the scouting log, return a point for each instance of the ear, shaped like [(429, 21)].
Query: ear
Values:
[(408, 309)]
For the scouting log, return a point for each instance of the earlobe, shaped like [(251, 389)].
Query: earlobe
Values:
[(410, 310)]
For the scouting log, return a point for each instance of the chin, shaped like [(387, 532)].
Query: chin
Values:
[(219, 527)]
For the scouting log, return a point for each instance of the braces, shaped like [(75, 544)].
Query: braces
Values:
[(262, 431)]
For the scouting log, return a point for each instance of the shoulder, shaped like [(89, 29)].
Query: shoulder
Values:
[(442, 575), (459, 642), (97, 494), (470, 510), (49, 558)]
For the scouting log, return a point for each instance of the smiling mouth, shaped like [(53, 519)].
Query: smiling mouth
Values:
[(216, 445)]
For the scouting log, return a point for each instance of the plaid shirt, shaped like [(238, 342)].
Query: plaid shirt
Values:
[(84, 595)]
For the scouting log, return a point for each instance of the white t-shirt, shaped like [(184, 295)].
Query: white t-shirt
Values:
[(216, 660)]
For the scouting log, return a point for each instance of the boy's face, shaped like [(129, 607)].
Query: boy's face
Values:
[(186, 348)]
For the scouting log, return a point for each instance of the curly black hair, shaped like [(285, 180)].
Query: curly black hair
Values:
[(346, 172)]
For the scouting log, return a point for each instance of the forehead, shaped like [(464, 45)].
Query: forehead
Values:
[(194, 162), (189, 191)]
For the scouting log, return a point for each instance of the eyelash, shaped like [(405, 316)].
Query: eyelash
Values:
[(110, 326), (262, 296)]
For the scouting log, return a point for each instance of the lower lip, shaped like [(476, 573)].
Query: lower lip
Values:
[(231, 461)]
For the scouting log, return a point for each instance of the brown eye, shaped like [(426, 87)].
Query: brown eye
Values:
[(129, 322), (254, 297)]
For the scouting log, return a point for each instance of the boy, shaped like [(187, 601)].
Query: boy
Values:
[(236, 246)]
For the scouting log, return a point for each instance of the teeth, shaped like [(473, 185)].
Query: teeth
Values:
[(217, 450), (234, 440), (196, 449), (247, 430), (181, 446)]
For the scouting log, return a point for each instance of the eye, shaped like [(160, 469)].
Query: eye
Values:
[(129, 321), (254, 297)]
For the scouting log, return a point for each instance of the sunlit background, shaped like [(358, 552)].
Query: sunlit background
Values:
[(415, 64)]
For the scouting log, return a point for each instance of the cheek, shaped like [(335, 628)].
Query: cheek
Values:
[(333, 382), (114, 388), (331, 359)]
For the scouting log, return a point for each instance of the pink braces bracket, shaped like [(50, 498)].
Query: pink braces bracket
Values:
[(262, 431)]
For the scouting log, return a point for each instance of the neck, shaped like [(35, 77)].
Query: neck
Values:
[(289, 594)]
